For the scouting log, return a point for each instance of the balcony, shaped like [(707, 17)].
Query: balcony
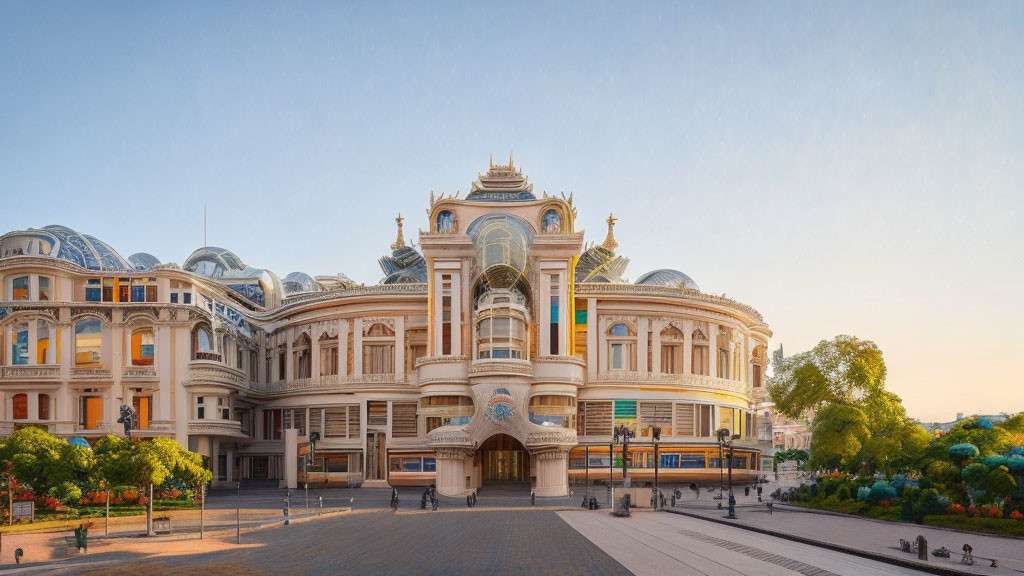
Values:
[(139, 373), (559, 369), (215, 427), (683, 381), (507, 367), (91, 374), (208, 372), (442, 370), (37, 373)]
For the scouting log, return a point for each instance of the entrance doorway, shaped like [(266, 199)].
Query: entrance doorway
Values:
[(504, 459), (375, 459)]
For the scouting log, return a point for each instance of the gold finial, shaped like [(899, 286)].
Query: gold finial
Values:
[(400, 241), (609, 241)]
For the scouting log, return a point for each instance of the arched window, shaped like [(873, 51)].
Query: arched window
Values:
[(142, 347), (551, 222), (328, 355), (758, 363), (699, 360), (202, 344), (445, 222), (89, 344), (501, 325), (621, 347), (44, 407), (671, 350), (379, 350), (20, 403), (302, 356)]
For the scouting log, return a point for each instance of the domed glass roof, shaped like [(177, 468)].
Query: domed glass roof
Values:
[(405, 266), (143, 261), (667, 277), (299, 282), (66, 244), (214, 262)]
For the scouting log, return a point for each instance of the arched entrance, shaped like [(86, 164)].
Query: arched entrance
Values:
[(503, 459)]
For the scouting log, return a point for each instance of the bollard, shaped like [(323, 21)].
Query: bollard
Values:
[(673, 500), (746, 490), (287, 510), (469, 501), (533, 498), (922, 548)]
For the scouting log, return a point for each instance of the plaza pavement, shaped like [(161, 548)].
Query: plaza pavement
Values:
[(867, 534)]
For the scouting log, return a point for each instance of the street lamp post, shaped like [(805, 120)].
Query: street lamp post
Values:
[(656, 436), (732, 498), (722, 434)]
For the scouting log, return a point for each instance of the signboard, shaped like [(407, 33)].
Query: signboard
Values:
[(24, 509)]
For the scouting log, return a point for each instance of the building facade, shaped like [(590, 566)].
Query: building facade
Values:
[(502, 350)]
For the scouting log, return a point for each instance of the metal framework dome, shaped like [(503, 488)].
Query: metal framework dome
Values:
[(667, 277), (63, 243)]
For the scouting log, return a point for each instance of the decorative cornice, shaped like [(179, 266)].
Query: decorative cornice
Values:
[(598, 289)]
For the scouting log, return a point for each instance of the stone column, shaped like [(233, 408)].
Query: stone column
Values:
[(553, 473), (713, 350), (314, 353), (289, 361), (357, 347), (342, 350), (231, 465), (452, 472), (400, 349), (656, 327), (642, 326), (592, 332)]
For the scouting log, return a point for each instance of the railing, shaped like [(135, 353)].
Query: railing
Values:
[(138, 372), (216, 427), (495, 367), (205, 371), (212, 356), (91, 373), (695, 381), (37, 372)]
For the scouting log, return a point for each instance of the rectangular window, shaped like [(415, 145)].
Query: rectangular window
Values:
[(757, 375), (272, 425), (186, 297), (141, 407), (200, 408), (44, 407), (19, 288), (174, 297), (377, 413), (655, 414), (93, 290), (336, 422), (19, 347), (625, 413), (700, 360), (151, 293), (90, 410), (595, 418), (379, 359), (618, 352), (723, 363), (446, 314), (403, 419), (138, 293), (225, 411), (20, 404), (123, 293), (553, 349), (44, 288)]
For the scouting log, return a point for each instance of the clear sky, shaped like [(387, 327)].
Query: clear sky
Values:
[(844, 168)]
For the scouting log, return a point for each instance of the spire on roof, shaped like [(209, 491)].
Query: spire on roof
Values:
[(400, 240), (609, 241)]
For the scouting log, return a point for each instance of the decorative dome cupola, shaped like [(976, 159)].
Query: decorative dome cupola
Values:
[(599, 263), (405, 265), (63, 243), (297, 282)]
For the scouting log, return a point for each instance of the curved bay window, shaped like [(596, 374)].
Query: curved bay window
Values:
[(671, 350), (553, 410), (202, 344), (88, 343), (438, 411), (501, 325), (621, 347), (142, 347)]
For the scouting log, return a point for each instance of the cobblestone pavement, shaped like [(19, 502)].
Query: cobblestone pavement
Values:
[(374, 543), (877, 536)]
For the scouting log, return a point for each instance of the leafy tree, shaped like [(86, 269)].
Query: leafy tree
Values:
[(837, 436), (43, 461), (842, 370), (896, 442)]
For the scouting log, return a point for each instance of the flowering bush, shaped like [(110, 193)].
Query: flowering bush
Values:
[(957, 509), (47, 502), (1016, 515), (884, 503), (993, 512), (130, 496), (972, 510)]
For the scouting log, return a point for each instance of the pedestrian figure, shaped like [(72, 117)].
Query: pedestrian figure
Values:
[(968, 555)]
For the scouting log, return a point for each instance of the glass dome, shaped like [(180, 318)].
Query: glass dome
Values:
[(214, 262), (502, 242), (143, 261), (66, 244), (299, 282), (667, 277)]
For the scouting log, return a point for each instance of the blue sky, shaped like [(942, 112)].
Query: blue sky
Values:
[(844, 168)]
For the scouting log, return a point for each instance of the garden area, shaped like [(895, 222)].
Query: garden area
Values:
[(871, 460), (71, 480)]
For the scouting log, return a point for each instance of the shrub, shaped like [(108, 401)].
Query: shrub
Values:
[(929, 503), (66, 492), (862, 493), (879, 492), (925, 483), (1016, 515), (843, 492), (993, 513), (130, 496), (957, 509)]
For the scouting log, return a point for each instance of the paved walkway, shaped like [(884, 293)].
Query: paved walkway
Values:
[(375, 543), (657, 543), (868, 534)]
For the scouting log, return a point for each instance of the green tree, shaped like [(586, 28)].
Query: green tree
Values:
[(897, 442), (838, 433), (842, 370), (43, 461)]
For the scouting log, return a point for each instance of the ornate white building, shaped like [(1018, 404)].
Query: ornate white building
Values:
[(503, 350)]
